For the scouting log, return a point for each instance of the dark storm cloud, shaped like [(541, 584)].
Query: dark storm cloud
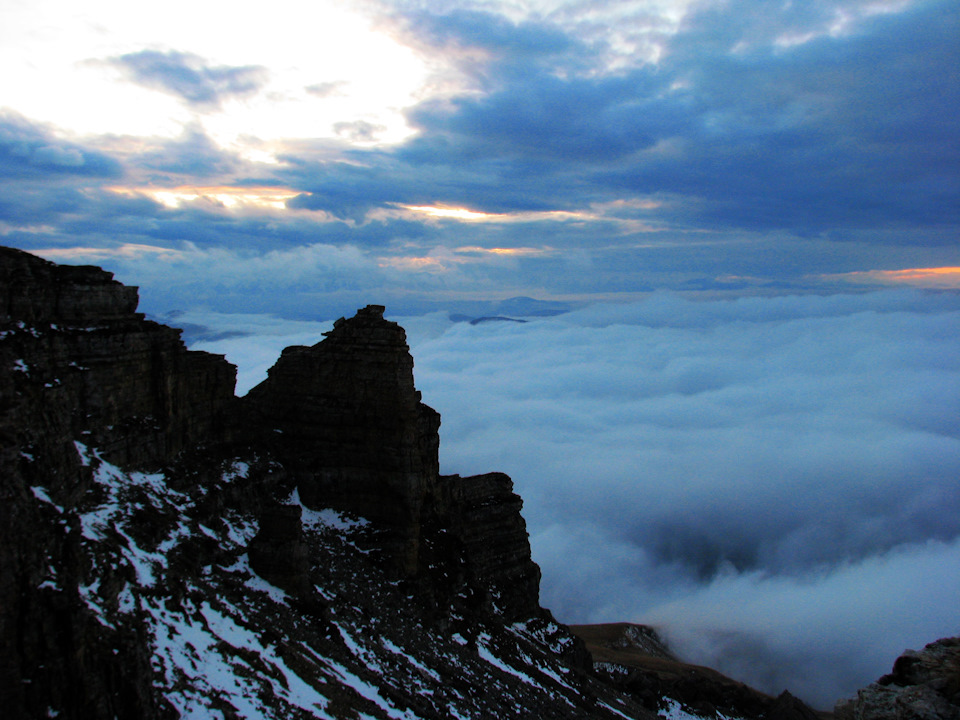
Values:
[(189, 77)]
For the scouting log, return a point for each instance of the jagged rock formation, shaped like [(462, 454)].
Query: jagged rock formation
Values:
[(156, 558), (168, 549), (277, 552), (352, 424), (78, 363), (96, 367), (923, 685), (346, 416)]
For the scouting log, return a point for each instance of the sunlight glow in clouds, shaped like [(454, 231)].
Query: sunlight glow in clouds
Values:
[(454, 213), (230, 197), (944, 278), (475, 216), (327, 44)]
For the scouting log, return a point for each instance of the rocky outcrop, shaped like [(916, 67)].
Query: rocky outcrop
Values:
[(486, 519), (346, 415), (86, 381), (277, 552), (923, 685), (78, 364), (85, 359), (635, 659)]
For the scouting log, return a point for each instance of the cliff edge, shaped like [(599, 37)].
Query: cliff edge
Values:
[(169, 549)]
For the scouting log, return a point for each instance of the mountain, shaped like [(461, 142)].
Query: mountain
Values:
[(170, 550)]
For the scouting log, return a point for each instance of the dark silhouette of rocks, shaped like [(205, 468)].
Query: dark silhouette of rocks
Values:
[(923, 685), (341, 422), (169, 549), (277, 553), (101, 370), (346, 415), (348, 418), (77, 363)]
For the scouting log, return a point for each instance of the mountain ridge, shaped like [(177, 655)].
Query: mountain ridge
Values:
[(168, 549)]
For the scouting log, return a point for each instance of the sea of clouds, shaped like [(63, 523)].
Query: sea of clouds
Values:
[(773, 481)]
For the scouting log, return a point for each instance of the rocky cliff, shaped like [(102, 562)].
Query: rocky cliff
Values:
[(170, 550), (301, 542), (77, 363)]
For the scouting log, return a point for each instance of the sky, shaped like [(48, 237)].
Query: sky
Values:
[(743, 217), (299, 161)]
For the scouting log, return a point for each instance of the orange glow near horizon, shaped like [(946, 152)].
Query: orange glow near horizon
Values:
[(945, 278), (274, 198)]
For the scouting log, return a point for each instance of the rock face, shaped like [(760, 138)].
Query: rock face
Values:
[(635, 659), (77, 363), (924, 685), (352, 424), (345, 414), (126, 384), (101, 568), (277, 552)]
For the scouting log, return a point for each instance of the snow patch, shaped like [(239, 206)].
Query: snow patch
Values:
[(41, 494)]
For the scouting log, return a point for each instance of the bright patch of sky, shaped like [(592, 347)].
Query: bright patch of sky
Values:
[(319, 66)]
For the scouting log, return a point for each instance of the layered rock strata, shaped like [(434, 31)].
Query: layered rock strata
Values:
[(345, 414), (80, 370), (347, 417), (89, 359), (78, 364)]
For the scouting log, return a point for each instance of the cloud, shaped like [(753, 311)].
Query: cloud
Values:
[(760, 121), (358, 130), (29, 151), (738, 149), (190, 78), (333, 88), (507, 45), (770, 480), (755, 475)]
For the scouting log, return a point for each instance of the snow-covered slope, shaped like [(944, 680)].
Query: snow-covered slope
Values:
[(167, 562)]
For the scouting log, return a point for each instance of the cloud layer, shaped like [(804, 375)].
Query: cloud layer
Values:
[(705, 146), (772, 481)]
